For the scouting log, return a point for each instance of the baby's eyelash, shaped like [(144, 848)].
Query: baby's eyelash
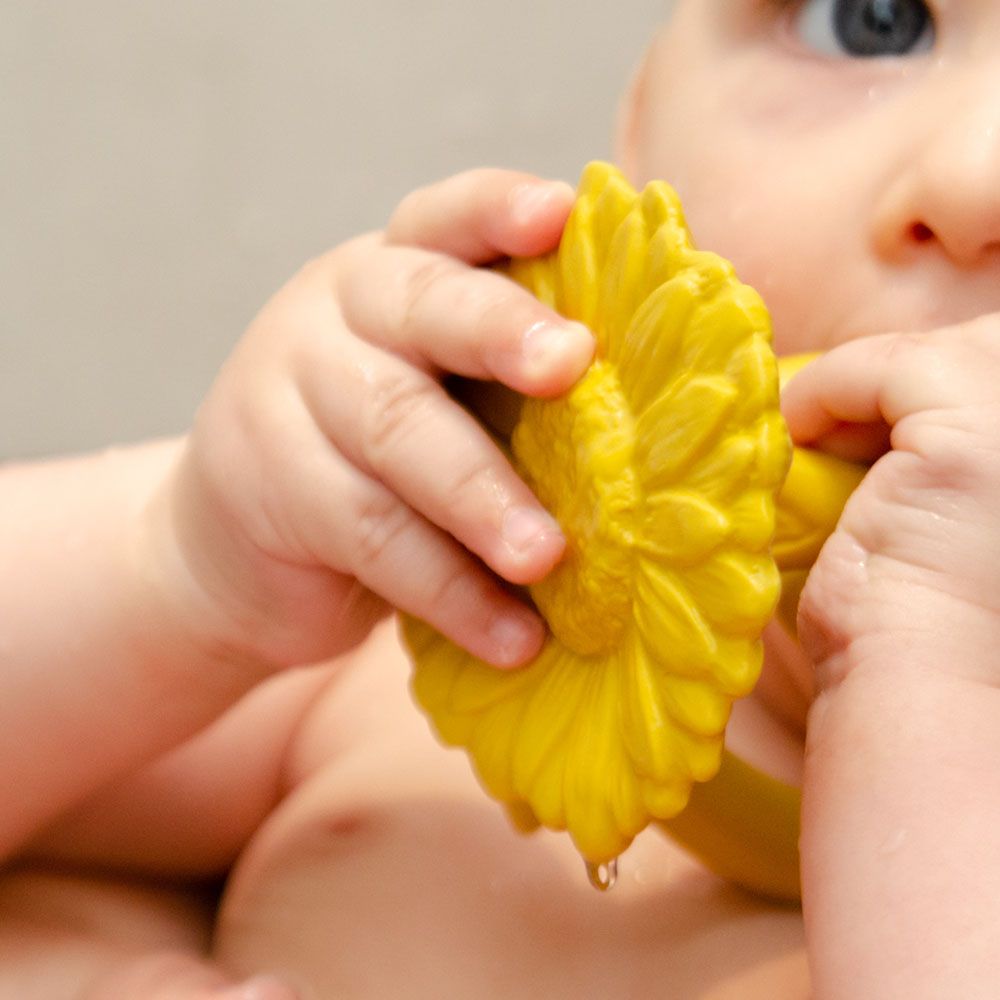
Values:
[(852, 29)]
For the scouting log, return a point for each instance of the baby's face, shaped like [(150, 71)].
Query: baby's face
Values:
[(858, 193)]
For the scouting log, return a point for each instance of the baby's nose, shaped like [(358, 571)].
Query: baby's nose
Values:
[(948, 190)]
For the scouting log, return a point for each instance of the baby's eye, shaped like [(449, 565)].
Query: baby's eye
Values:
[(865, 27)]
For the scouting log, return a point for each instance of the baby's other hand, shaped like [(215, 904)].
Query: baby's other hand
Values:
[(901, 617), (917, 550), (329, 474)]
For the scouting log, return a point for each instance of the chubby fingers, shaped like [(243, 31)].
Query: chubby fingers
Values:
[(482, 215), (428, 503), (432, 503), (444, 316), (429, 513), (881, 380)]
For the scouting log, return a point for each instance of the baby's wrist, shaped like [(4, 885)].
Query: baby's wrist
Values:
[(947, 636), (183, 623)]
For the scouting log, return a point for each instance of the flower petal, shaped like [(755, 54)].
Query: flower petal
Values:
[(576, 267), (681, 527), (737, 590), (680, 427), (646, 353), (670, 623), (645, 723)]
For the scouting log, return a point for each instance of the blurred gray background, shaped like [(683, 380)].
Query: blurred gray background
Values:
[(165, 166)]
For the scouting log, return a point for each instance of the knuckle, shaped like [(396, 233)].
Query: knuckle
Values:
[(458, 595), (318, 268), (901, 348), (342, 267), (421, 284), (393, 405), (494, 310), (473, 486), (505, 310), (405, 207), (325, 269), (379, 521), (346, 255), (406, 218)]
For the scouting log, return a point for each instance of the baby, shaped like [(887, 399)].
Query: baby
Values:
[(215, 772)]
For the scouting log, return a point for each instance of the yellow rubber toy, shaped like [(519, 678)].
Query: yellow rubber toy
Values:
[(662, 466)]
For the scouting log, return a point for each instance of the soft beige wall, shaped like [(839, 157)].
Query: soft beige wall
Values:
[(166, 164)]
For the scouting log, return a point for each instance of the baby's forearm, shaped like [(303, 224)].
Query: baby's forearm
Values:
[(901, 810), (98, 672)]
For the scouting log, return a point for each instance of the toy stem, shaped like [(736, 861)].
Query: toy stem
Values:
[(744, 825)]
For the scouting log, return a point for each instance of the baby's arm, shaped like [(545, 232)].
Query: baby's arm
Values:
[(328, 475), (901, 873), (117, 898), (187, 815), (98, 672)]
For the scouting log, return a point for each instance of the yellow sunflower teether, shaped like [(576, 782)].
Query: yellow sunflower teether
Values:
[(662, 465), (744, 824)]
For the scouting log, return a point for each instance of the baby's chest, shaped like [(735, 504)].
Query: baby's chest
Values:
[(388, 874)]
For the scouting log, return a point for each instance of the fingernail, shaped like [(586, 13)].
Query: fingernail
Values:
[(547, 345), (515, 637), (525, 528), (530, 200)]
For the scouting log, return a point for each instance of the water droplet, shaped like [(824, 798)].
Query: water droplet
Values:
[(602, 876)]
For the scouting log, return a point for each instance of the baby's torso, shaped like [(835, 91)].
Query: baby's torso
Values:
[(388, 873)]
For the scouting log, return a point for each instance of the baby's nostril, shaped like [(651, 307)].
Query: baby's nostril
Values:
[(921, 232)]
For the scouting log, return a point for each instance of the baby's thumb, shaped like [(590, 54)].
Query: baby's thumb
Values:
[(177, 976)]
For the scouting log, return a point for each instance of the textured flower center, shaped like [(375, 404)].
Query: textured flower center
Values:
[(576, 454)]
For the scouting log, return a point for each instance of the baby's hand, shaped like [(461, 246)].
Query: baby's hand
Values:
[(915, 560), (329, 474), (901, 615)]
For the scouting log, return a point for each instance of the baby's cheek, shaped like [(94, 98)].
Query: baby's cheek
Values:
[(777, 266)]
